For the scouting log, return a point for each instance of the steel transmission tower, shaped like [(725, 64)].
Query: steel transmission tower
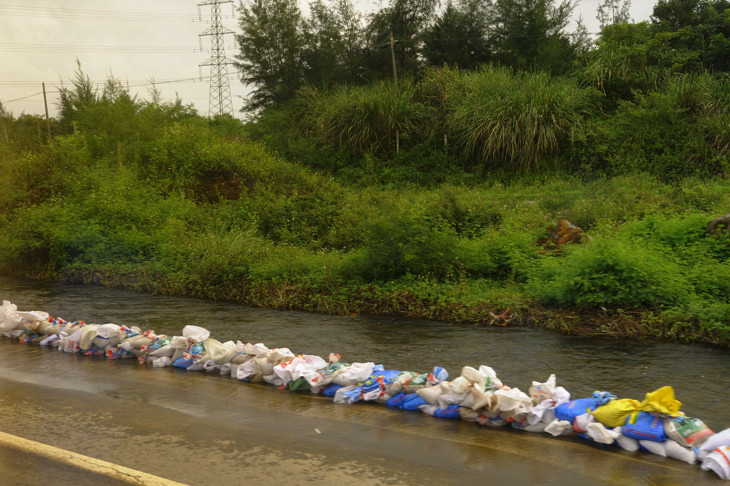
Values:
[(220, 101)]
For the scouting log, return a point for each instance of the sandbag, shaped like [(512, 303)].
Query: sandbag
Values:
[(687, 431), (645, 427), (718, 461), (615, 412), (570, 410)]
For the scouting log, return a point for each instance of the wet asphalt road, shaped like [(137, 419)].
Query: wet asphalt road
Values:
[(200, 428)]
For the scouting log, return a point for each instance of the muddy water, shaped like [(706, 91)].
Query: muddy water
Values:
[(699, 374)]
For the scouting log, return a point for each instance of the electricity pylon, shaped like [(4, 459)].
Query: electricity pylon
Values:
[(220, 101)]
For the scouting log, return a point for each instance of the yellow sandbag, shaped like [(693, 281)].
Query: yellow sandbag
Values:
[(661, 401), (614, 413)]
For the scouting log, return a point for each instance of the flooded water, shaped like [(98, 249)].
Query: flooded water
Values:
[(626, 368)]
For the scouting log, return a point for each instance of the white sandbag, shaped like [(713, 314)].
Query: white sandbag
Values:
[(428, 409), (195, 334), (71, 343), (459, 385), (48, 340), (451, 398), (343, 395), (475, 377), (654, 447), (718, 461), (626, 443), (179, 342), (675, 450), (431, 393), (491, 420), (468, 414), (480, 397), (220, 352), (559, 396), (720, 439)]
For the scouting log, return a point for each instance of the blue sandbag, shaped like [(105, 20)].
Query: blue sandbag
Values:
[(330, 390), (569, 411), (412, 401), (182, 363), (373, 383), (645, 427), (396, 400), (451, 411)]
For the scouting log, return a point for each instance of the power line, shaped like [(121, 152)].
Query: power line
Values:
[(85, 14)]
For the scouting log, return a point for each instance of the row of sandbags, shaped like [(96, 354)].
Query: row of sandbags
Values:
[(655, 424)]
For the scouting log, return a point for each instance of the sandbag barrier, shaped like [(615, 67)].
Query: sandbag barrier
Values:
[(655, 424)]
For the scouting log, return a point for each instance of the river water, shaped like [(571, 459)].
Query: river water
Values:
[(626, 368)]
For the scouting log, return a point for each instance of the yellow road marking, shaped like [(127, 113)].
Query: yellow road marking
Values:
[(81, 461)]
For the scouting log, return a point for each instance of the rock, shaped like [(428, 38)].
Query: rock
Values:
[(718, 225), (563, 232)]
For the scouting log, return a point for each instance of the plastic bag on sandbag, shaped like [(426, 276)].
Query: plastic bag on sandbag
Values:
[(370, 396), (195, 333), (559, 427), (353, 374), (718, 461), (559, 396), (396, 386), (348, 394), (9, 318), (490, 420), (521, 423), (450, 398), (71, 343), (713, 442), (306, 366), (258, 349), (161, 362), (480, 398), (514, 401), (661, 401), (599, 433), (88, 333), (645, 427), (220, 353), (542, 391), (687, 431), (581, 422), (50, 339), (273, 379), (468, 414), (300, 384), (437, 375)]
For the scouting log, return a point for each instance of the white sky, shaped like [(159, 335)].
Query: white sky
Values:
[(137, 42)]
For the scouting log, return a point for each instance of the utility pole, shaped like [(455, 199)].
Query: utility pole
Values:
[(48, 120), (395, 85), (220, 101)]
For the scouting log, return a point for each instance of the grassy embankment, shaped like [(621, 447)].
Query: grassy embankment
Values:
[(154, 199)]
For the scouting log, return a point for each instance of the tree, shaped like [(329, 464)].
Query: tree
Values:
[(271, 46), (529, 34), (333, 42), (459, 36), (406, 20), (612, 12), (692, 35), (72, 101)]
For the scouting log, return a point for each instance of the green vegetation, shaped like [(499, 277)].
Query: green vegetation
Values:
[(426, 198)]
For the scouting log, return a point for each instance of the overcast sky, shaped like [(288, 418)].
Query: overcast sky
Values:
[(137, 42)]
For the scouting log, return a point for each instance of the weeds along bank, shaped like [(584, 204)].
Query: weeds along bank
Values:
[(154, 198)]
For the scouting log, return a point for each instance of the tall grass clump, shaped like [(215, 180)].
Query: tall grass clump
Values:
[(517, 119), (369, 119)]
